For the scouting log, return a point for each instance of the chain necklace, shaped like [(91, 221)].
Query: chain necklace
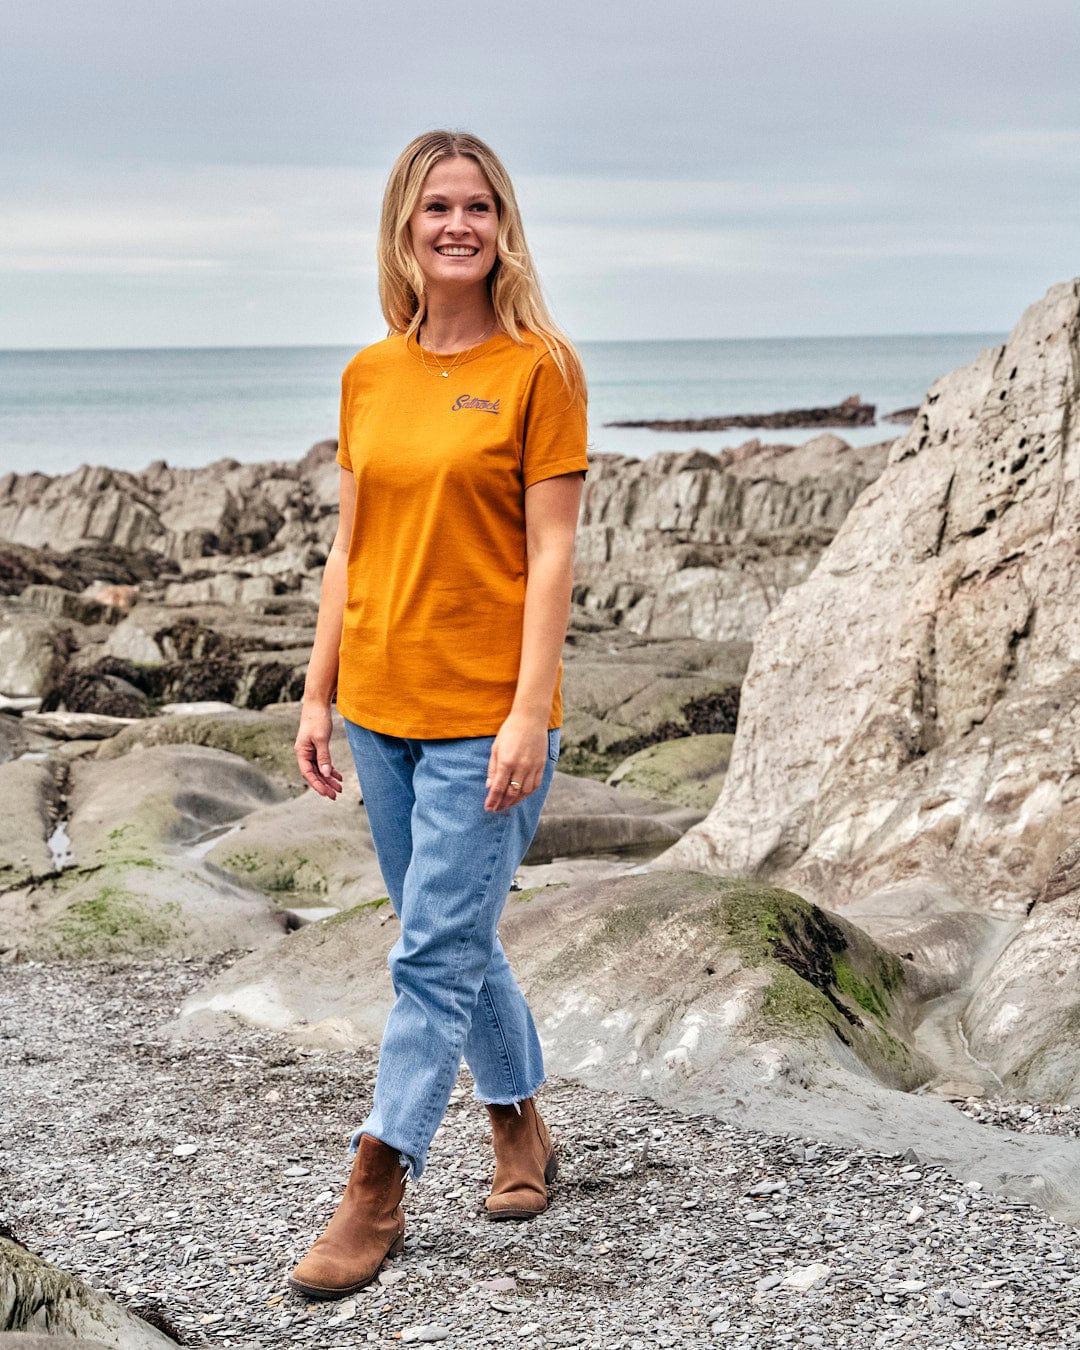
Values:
[(444, 371)]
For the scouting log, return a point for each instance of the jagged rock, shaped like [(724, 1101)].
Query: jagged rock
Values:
[(1025, 1016), (676, 545), (33, 650), (59, 603), (818, 457), (223, 508), (36, 1297), (912, 709), (688, 771)]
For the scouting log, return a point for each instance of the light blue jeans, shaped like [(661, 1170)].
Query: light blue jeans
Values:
[(448, 865)]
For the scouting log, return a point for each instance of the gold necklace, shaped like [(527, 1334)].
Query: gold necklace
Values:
[(444, 371)]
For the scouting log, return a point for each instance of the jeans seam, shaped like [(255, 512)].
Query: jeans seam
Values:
[(463, 946), (508, 1064)]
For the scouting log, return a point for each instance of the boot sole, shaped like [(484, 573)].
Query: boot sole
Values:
[(551, 1171), (315, 1291)]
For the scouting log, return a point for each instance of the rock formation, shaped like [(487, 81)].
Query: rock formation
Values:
[(850, 412), (701, 545), (48, 1307), (910, 716), (712, 994)]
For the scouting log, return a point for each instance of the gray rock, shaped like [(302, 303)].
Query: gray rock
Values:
[(909, 715), (60, 603), (131, 642), (44, 1303), (33, 651)]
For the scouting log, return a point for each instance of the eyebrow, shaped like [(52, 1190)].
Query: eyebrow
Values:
[(472, 196)]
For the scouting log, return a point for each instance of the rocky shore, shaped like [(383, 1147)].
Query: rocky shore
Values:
[(798, 925), (194, 1175)]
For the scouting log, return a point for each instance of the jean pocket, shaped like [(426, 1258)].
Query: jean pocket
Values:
[(553, 744)]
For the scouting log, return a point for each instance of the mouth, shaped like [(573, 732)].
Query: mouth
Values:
[(456, 251)]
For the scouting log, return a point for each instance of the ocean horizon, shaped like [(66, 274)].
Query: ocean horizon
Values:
[(125, 407)]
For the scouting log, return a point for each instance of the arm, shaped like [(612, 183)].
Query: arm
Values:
[(520, 749), (313, 739)]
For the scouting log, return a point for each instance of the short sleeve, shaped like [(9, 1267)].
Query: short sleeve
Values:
[(343, 425), (554, 426)]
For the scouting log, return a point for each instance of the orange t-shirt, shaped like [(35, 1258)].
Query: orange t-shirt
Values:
[(431, 641)]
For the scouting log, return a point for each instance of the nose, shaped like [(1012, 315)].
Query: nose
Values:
[(456, 222)]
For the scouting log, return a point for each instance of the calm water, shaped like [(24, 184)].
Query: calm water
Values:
[(60, 409)]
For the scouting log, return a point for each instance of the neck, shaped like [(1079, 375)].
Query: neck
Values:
[(454, 322)]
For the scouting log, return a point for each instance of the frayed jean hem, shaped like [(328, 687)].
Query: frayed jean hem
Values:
[(507, 1101)]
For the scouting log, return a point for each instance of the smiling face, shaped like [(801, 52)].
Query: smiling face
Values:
[(454, 225)]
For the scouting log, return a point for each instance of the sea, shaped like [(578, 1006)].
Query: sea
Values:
[(190, 406)]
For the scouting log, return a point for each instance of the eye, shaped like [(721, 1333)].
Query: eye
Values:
[(435, 206), (481, 206)]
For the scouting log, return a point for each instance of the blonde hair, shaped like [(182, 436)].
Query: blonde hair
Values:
[(513, 282)]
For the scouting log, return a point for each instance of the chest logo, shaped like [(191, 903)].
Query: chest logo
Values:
[(466, 401)]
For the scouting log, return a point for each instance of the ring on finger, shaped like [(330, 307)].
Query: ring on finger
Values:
[(515, 785)]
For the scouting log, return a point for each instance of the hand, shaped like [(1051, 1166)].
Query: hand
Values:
[(312, 748), (518, 755)]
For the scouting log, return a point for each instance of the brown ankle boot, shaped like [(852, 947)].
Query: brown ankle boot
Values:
[(367, 1227), (525, 1162)]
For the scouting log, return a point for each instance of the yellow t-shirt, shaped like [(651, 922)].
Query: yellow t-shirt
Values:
[(431, 641)]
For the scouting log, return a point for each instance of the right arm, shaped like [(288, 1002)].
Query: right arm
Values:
[(313, 739)]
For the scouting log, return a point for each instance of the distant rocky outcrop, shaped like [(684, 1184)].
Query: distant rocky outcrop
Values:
[(850, 412), (910, 715)]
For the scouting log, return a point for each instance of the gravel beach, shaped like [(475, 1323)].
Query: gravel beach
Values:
[(185, 1179)]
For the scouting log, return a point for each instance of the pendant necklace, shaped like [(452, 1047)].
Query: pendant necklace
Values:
[(444, 371)]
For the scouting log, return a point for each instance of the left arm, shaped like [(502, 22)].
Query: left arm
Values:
[(520, 749)]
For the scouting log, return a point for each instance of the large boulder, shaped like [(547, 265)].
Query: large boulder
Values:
[(912, 709)]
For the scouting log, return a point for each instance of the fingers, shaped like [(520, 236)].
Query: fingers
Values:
[(316, 766), (501, 794)]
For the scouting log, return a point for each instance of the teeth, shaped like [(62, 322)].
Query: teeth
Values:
[(449, 252)]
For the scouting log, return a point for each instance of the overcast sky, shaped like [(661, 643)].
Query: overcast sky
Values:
[(209, 171)]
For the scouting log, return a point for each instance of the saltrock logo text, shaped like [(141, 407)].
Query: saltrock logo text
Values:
[(476, 404)]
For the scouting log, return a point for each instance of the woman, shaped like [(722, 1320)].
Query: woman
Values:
[(444, 609)]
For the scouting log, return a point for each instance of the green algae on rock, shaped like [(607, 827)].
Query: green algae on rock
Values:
[(687, 771)]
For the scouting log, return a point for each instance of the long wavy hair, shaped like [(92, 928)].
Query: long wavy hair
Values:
[(513, 282)]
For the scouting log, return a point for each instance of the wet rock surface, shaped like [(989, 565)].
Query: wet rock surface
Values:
[(203, 1173)]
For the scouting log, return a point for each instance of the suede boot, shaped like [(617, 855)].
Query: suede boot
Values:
[(367, 1227), (525, 1162)]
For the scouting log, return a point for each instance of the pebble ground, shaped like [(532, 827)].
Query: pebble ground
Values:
[(185, 1180)]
